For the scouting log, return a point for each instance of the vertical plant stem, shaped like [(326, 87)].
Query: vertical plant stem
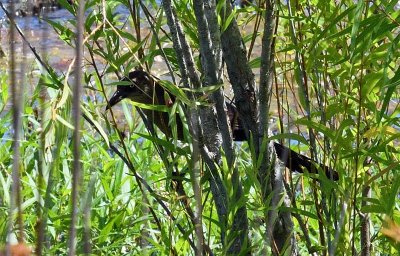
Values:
[(365, 222), (17, 101), (186, 64), (279, 224), (195, 177), (359, 121), (241, 76), (266, 172), (76, 114), (194, 124), (41, 223)]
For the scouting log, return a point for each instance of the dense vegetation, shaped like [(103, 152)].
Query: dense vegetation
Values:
[(329, 71)]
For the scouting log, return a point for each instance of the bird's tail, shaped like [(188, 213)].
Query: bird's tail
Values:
[(298, 163)]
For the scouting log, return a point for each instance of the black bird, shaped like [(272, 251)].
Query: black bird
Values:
[(140, 87)]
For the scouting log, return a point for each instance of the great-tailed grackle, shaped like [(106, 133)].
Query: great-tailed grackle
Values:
[(142, 88)]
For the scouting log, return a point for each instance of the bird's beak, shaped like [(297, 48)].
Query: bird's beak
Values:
[(117, 97)]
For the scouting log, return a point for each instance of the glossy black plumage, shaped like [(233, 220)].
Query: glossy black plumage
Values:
[(141, 87)]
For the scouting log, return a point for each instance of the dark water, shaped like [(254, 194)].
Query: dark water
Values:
[(43, 37), (49, 46)]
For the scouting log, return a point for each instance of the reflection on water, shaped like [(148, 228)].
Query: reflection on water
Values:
[(51, 48), (44, 39), (41, 36)]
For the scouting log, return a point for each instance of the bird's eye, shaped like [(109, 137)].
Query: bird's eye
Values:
[(135, 81)]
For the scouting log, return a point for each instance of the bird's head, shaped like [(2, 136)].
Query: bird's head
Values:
[(137, 86)]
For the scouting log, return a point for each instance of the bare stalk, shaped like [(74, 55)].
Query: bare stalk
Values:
[(76, 116)]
